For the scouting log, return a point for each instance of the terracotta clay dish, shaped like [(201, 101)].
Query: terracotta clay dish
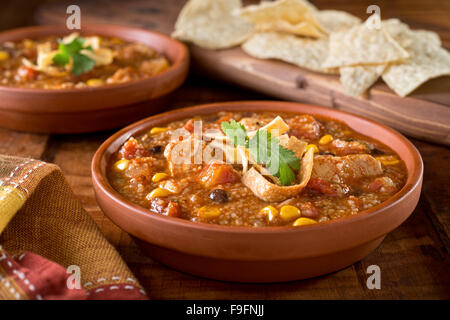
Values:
[(98, 107), (343, 183)]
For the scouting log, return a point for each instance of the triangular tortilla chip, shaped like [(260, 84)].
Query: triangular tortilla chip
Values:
[(290, 16), (334, 20), (363, 45), (356, 80), (428, 60), (305, 53), (211, 24)]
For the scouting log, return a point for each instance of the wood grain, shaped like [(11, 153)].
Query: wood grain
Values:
[(414, 258), (425, 114)]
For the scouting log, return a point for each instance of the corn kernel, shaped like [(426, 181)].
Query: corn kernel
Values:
[(121, 164), (388, 160), (207, 212), (326, 139), (303, 222), (94, 82), (117, 41), (28, 43), (288, 212), (158, 192), (270, 212), (157, 177), (156, 130), (4, 55), (312, 146)]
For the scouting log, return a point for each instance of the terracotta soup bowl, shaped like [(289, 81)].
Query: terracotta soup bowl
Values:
[(94, 108), (260, 254)]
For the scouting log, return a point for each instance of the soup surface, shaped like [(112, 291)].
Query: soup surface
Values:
[(194, 169), (76, 62)]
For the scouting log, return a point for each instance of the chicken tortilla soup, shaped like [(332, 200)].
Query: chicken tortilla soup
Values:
[(256, 169), (76, 62)]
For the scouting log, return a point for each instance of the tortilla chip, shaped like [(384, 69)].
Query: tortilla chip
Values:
[(291, 16), (334, 20), (361, 45), (211, 24), (428, 60), (356, 80), (305, 53)]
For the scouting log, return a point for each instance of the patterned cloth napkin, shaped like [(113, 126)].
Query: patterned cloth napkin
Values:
[(50, 248)]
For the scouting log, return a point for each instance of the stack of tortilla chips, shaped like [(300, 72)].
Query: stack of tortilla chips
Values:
[(326, 41)]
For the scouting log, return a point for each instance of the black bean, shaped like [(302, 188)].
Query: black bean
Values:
[(156, 149), (376, 151), (218, 196)]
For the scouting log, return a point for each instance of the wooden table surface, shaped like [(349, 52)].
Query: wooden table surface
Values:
[(414, 258)]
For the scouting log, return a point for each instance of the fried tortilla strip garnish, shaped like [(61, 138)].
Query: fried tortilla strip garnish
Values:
[(269, 191)]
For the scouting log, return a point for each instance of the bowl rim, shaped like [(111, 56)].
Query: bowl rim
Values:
[(100, 181), (53, 29)]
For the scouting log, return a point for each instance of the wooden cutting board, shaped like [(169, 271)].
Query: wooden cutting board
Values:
[(425, 114)]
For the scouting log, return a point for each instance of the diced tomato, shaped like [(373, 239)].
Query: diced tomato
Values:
[(189, 126), (165, 207), (304, 127), (27, 73), (343, 148), (30, 53), (226, 117), (173, 209), (217, 173), (317, 185), (132, 149)]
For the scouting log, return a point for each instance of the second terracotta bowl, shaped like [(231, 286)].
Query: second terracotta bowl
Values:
[(96, 108), (266, 254)]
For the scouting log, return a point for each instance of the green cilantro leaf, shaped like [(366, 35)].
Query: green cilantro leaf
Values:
[(266, 150), (81, 64), (71, 51), (236, 132)]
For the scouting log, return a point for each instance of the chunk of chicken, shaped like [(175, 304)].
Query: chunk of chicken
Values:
[(184, 155), (343, 148), (345, 169)]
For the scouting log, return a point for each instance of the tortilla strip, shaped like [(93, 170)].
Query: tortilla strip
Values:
[(268, 191), (232, 155)]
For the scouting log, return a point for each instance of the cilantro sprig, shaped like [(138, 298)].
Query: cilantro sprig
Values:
[(72, 52), (266, 150)]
